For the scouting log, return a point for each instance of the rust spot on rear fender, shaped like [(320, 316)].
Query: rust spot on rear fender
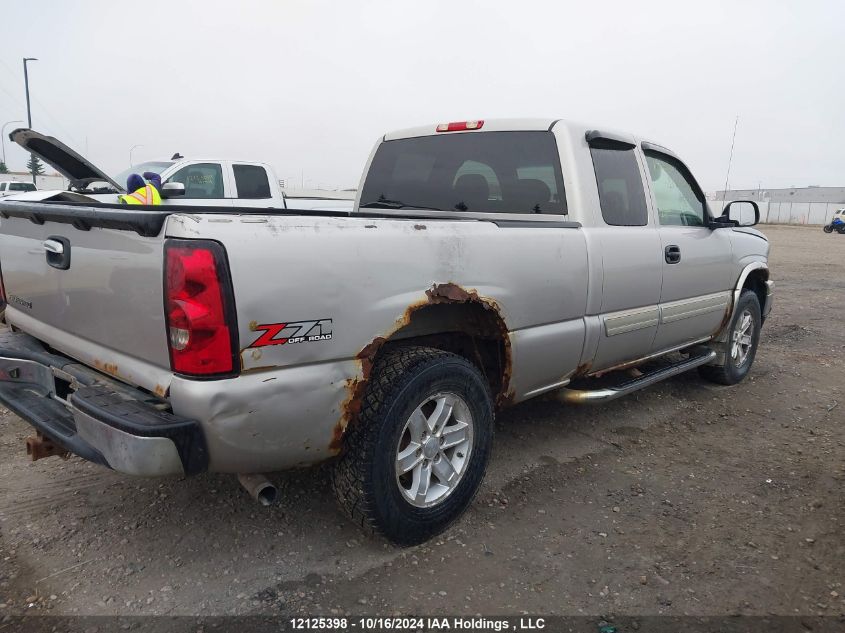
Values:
[(438, 294), (160, 391)]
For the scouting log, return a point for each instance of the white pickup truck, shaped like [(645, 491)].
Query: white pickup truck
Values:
[(484, 263), (185, 181)]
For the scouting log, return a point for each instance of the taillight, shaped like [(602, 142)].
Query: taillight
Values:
[(200, 308), (460, 126)]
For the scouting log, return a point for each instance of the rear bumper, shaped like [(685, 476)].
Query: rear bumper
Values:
[(95, 417)]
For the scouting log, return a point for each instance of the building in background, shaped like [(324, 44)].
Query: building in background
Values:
[(795, 205)]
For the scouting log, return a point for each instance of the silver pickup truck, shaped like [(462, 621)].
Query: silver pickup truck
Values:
[(484, 263)]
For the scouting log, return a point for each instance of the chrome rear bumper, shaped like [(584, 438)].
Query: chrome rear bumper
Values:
[(94, 416)]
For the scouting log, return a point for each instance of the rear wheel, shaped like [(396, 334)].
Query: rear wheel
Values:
[(741, 346), (416, 456), (827, 228), (841, 229)]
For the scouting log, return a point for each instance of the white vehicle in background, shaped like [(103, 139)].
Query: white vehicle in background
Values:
[(12, 187), (185, 181)]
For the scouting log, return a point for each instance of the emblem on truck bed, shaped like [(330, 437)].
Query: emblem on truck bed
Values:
[(293, 332)]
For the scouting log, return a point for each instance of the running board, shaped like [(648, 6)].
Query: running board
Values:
[(582, 396)]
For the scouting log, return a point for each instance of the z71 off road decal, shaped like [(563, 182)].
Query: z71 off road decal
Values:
[(293, 332)]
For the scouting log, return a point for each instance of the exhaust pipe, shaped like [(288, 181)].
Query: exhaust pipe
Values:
[(259, 487)]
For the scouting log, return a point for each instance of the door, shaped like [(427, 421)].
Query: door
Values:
[(206, 183), (252, 187), (696, 259), (630, 251)]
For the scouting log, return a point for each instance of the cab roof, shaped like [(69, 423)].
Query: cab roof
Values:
[(489, 125)]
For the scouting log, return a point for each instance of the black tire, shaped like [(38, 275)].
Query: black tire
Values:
[(364, 478), (827, 228), (840, 229), (730, 371)]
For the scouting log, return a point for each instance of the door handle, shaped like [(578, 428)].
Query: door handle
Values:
[(672, 254), (53, 246), (57, 250)]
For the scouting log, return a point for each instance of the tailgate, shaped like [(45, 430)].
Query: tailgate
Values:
[(99, 300)]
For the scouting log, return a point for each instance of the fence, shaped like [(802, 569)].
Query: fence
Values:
[(790, 212)]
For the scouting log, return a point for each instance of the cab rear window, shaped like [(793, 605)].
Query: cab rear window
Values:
[(480, 172)]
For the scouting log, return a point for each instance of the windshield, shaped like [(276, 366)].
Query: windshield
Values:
[(140, 168)]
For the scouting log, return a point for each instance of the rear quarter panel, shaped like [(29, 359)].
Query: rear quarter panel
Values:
[(357, 277)]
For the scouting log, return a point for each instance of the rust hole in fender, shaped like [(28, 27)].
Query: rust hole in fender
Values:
[(490, 328)]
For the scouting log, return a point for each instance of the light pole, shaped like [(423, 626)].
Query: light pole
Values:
[(28, 111), (3, 137), (131, 149)]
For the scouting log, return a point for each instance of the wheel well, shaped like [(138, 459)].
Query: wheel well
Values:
[(756, 281), (473, 329)]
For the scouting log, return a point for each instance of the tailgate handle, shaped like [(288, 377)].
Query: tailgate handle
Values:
[(54, 246), (57, 250)]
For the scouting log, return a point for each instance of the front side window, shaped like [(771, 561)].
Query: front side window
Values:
[(679, 200), (21, 186), (201, 180), (251, 181), (620, 184), (482, 172)]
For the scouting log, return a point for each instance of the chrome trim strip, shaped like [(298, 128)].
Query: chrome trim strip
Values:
[(630, 320), (552, 387), (687, 308)]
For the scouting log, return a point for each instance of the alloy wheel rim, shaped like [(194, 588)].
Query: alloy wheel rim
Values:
[(742, 338), (434, 449)]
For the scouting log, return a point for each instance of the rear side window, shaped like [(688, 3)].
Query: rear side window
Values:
[(21, 186), (251, 181), (481, 172), (621, 192)]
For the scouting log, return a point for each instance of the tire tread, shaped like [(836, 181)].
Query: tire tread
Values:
[(349, 475)]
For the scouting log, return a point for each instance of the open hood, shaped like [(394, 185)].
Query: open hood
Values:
[(63, 159)]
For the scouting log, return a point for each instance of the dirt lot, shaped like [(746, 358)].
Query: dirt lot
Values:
[(685, 499)]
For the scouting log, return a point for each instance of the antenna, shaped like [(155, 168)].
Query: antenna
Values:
[(730, 159)]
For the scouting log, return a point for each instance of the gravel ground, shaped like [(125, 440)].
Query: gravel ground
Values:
[(686, 498)]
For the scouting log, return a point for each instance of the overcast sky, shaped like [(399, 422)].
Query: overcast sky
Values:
[(309, 86)]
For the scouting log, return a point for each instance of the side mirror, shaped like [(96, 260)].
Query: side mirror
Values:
[(172, 189), (741, 213)]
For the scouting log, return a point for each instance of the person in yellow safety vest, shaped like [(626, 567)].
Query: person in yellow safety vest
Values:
[(142, 192)]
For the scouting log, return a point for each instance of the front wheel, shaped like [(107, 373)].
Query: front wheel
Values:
[(415, 458), (841, 229), (741, 347), (827, 228)]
